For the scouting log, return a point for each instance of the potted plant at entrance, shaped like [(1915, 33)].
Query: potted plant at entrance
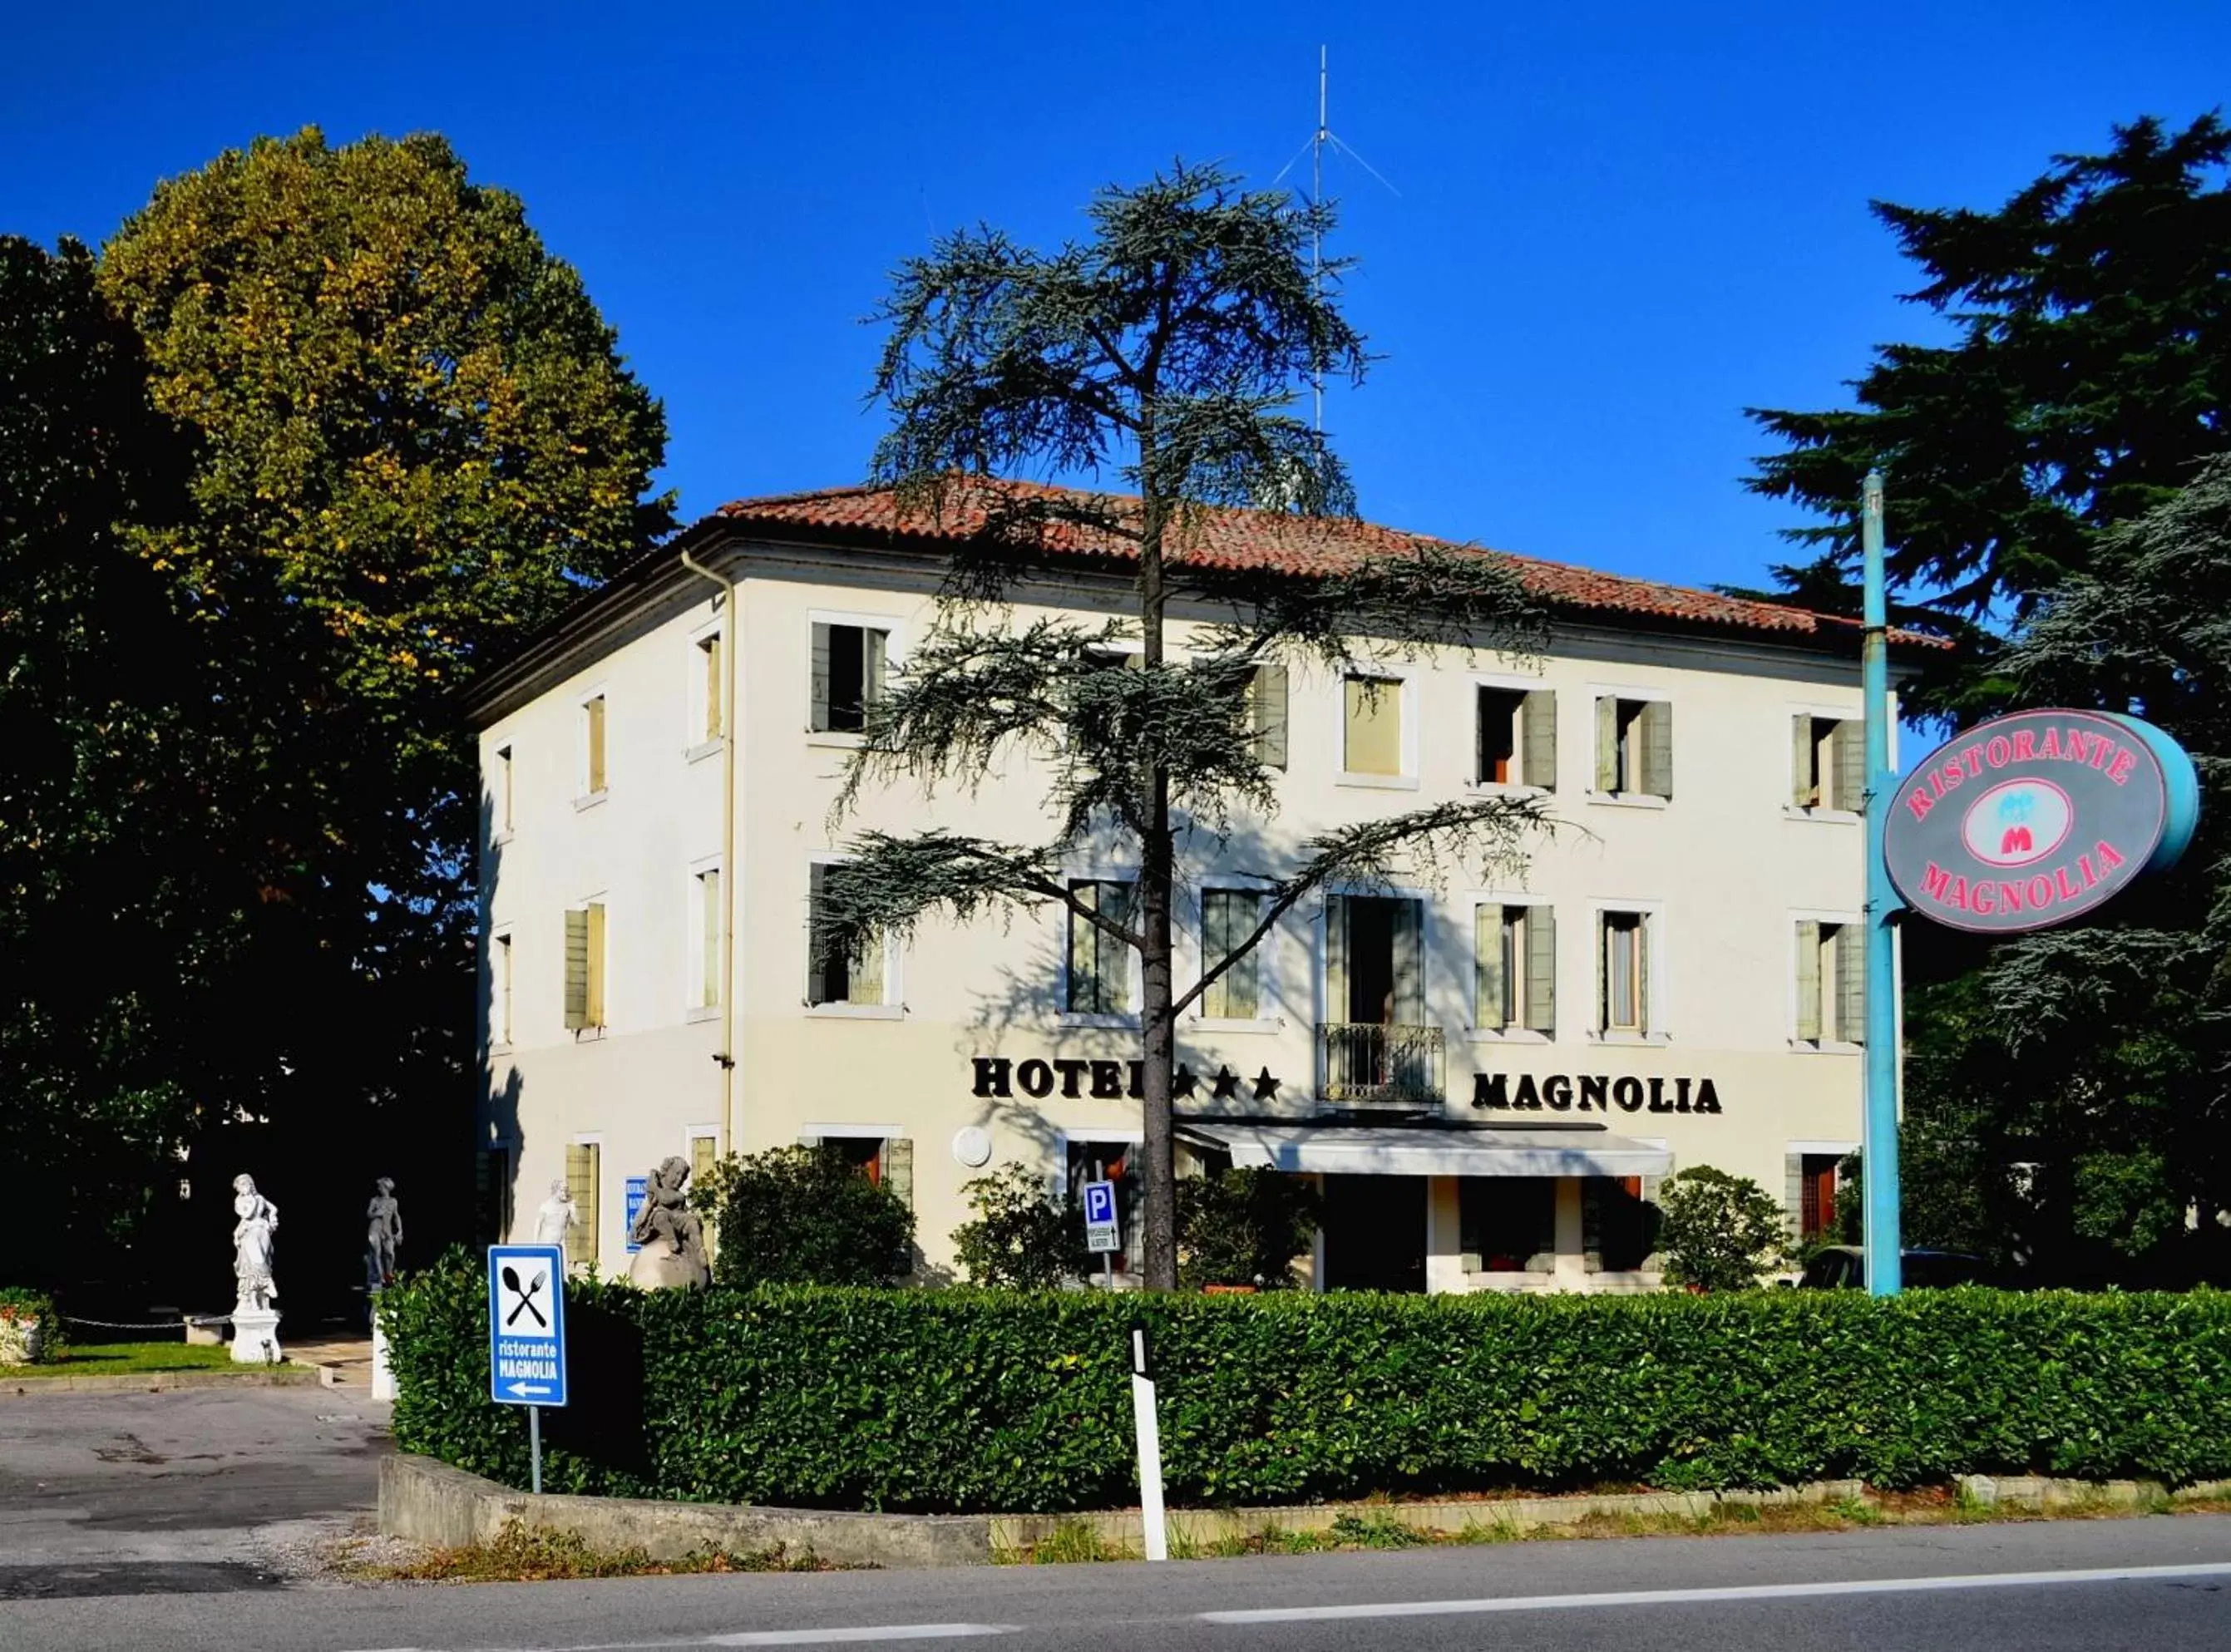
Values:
[(25, 1317)]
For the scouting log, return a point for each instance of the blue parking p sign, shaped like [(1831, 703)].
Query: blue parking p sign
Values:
[(527, 1325), (1101, 1231)]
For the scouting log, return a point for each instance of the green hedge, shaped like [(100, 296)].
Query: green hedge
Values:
[(967, 1400)]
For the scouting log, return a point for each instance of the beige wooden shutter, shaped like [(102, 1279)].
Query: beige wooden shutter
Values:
[(898, 1168), (1267, 707), (875, 647), (712, 650), (817, 985), (819, 667), (1335, 944), (1409, 964), (1808, 982), (596, 990), (1084, 949), (577, 969), (1541, 969), (1374, 736), (592, 735), (702, 1151), (1537, 735), (1607, 775), (1487, 967), (1793, 1193), (584, 1180), (1657, 720), (1847, 748), (1851, 983), (1603, 945), (1643, 925), (708, 920), (1804, 791), (864, 983)]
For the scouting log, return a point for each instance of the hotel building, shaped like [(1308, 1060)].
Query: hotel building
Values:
[(1490, 1079)]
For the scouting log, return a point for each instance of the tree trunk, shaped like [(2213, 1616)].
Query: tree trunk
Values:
[(1157, 1025)]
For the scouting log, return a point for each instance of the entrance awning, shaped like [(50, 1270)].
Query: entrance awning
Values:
[(1365, 1150)]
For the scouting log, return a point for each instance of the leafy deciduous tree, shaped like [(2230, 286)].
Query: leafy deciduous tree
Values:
[(1720, 1232), (1021, 1236), (803, 1215)]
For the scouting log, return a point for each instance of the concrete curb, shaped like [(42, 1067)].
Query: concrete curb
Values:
[(160, 1382), (430, 1502)]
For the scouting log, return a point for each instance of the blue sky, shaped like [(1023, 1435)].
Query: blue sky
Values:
[(1617, 224)]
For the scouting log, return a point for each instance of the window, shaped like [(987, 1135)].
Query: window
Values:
[(1619, 1222), (1099, 963), (491, 1194), (848, 675), (499, 792), (1813, 1200), (709, 916), (1516, 738), (704, 1152), (1112, 1161), (1514, 968), (1832, 983), (709, 687), (1266, 713), (500, 985), (1372, 740), (836, 975), (584, 966), (585, 1181), (1507, 1224), (1623, 972), (592, 747), (886, 1161), (1634, 747), (1228, 917), (1827, 763)]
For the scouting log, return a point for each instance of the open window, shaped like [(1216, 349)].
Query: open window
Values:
[(837, 975), (1831, 983), (1625, 943), (1827, 763), (1515, 737), (848, 675), (1634, 747), (1378, 1046), (1514, 968)]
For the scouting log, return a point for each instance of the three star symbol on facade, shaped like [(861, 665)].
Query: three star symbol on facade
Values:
[(1224, 1083)]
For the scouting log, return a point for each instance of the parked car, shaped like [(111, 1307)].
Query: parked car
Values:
[(1836, 1267)]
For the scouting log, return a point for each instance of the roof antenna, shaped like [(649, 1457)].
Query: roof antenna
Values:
[(1318, 140)]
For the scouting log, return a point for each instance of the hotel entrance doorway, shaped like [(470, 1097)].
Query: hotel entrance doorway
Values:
[(1375, 1233)]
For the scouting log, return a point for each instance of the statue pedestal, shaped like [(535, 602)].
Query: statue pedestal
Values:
[(382, 1374), (256, 1337), (657, 1269)]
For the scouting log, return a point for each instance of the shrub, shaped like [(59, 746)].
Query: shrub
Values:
[(1245, 1227), (1720, 1232), (993, 1401), (20, 1305), (1020, 1238), (805, 1216)]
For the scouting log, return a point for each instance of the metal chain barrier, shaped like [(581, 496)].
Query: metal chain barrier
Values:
[(148, 1325)]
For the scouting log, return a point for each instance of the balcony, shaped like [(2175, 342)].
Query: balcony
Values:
[(1367, 1062)]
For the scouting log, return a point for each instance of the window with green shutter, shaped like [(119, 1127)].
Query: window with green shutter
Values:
[(1099, 963), (1827, 763), (1514, 950), (1266, 713), (1228, 917)]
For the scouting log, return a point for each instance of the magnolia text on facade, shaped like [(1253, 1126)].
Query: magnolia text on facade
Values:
[(1594, 1092)]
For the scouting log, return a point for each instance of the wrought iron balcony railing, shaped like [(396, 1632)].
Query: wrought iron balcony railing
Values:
[(1365, 1061)]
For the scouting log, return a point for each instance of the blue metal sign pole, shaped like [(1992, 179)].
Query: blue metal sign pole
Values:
[(1878, 1160)]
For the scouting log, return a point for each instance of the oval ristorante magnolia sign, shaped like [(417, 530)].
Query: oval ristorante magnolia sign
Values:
[(2035, 819)]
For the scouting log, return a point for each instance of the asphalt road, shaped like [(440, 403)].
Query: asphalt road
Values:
[(213, 1489), (2163, 1581)]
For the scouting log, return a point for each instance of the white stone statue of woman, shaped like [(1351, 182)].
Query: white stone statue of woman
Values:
[(251, 1246)]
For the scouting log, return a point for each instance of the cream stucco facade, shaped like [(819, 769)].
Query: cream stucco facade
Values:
[(1706, 895)]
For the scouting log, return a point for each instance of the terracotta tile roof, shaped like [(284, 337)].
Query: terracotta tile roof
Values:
[(1251, 541)]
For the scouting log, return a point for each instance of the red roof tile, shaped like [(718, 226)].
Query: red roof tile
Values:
[(1245, 540)]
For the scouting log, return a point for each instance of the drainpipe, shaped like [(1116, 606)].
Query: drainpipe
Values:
[(731, 644)]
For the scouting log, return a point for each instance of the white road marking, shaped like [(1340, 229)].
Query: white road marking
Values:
[(842, 1637), (1748, 1591)]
